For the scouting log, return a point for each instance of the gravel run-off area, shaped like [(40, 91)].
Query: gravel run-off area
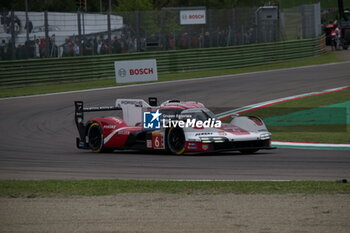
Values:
[(294, 213)]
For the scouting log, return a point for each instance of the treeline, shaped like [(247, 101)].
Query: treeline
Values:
[(127, 5), (324, 3), (142, 5)]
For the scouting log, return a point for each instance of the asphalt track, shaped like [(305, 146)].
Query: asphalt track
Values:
[(37, 134)]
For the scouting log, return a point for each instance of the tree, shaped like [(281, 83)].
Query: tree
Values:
[(133, 5), (40, 5)]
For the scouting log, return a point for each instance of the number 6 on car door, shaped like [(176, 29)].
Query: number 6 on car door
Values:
[(157, 140)]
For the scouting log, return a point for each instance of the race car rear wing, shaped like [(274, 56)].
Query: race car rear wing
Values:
[(79, 110), (79, 119)]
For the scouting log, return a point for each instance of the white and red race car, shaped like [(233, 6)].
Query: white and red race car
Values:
[(174, 126)]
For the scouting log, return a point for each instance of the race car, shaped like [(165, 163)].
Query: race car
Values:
[(174, 126)]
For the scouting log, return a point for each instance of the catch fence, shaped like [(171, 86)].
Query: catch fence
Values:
[(25, 35)]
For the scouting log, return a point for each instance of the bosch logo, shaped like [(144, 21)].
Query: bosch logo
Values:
[(196, 16), (122, 72), (141, 71)]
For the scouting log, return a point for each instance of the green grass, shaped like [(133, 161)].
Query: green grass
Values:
[(310, 133), (54, 188), (62, 87), (303, 104), (323, 137)]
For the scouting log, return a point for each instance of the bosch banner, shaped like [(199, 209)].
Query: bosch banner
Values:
[(136, 71), (192, 17)]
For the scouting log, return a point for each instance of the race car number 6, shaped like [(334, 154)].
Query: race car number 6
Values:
[(157, 142)]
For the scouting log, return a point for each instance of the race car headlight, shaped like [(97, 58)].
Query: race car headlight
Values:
[(219, 140), (212, 139), (265, 136), (193, 140), (206, 140)]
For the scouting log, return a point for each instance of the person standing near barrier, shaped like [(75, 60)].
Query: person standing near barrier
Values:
[(29, 26), (99, 46), (335, 38), (36, 49), (76, 49), (42, 47)]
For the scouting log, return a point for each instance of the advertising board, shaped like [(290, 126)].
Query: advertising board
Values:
[(136, 71), (188, 17)]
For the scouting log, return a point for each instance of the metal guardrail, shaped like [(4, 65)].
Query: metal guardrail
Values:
[(40, 71)]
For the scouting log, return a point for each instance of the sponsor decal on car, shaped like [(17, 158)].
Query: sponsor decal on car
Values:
[(203, 134), (109, 126), (157, 140), (222, 133), (124, 132), (205, 147)]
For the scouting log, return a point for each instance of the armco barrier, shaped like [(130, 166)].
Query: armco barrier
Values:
[(54, 70)]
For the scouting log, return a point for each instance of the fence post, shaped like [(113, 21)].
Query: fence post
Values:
[(47, 38), (27, 20), (79, 30), (231, 39), (138, 41), (317, 19), (13, 35), (109, 26), (303, 22), (210, 27), (162, 35)]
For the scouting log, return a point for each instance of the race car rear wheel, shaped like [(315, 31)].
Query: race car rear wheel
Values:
[(95, 136), (176, 142), (248, 151)]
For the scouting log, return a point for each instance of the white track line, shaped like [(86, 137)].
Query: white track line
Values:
[(310, 144)]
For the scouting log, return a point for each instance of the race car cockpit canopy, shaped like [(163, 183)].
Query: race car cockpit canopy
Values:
[(201, 114)]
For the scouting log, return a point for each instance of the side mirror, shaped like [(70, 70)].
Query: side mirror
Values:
[(153, 101)]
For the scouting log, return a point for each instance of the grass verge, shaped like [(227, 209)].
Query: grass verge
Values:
[(322, 133), (54, 188), (328, 57)]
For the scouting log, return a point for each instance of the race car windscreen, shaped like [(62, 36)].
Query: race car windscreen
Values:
[(201, 114)]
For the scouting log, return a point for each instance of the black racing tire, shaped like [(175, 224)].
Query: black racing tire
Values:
[(95, 136), (248, 151), (176, 141)]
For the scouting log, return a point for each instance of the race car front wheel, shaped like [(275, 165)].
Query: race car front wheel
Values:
[(176, 142), (95, 136)]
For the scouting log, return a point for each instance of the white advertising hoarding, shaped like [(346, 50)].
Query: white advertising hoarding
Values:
[(192, 17), (136, 71)]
